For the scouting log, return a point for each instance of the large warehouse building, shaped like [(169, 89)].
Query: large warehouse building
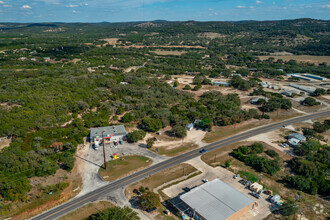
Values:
[(215, 200)]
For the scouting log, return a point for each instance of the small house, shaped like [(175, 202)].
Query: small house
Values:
[(298, 136), (190, 127), (293, 142), (218, 83)]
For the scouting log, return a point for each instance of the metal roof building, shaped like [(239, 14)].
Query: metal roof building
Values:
[(216, 200), (298, 136), (111, 133)]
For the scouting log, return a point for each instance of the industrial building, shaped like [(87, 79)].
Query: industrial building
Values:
[(314, 76), (219, 83), (255, 101), (303, 88), (110, 134), (214, 200), (298, 76), (289, 92)]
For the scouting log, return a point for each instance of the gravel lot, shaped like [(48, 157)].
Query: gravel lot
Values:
[(94, 160)]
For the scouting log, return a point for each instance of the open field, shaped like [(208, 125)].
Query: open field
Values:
[(123, 166), (300, 58), (169, 52), (87, 210), (161, 178), (226, 131), (177, 150)]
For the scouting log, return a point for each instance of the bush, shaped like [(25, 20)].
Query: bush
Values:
[(197, 87), (150, 142), (271, 153), (136, 135), (149, 200), (309, 101), (227, 163), (128, 117), (187, 87), (266, 116)]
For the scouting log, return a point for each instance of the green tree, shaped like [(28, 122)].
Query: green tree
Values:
[(309, 101), (115, 213), (149, 200), (289, 208), (128, 117), (178, 131), (152, 124), (176, 84), (150, 142), (136, 135)]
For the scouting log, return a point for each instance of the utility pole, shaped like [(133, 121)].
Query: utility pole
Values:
[(105, 163)]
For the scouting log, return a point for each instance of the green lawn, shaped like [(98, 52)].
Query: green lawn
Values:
[(123, 166)]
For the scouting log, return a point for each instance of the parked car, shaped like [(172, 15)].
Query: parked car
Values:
[(205, 180), (202, 151), (236, 176)]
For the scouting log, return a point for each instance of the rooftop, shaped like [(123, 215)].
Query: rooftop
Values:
[(115, 130), (215, 200)]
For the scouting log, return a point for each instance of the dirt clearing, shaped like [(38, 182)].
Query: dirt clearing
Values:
[(300, 58), (169, 52)]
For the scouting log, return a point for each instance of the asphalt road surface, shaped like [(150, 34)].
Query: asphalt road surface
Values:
[(94, 195)]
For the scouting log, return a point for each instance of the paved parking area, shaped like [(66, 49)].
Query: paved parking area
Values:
[(210, 173), (94, 160)]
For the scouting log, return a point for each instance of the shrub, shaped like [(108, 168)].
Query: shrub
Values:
[(136, 135), (272, 153)]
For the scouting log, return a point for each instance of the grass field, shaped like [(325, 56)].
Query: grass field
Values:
[(169, 52), (87, 210), (219, 133), (124, 166), (300, 58), (158, 179), (177, 150)]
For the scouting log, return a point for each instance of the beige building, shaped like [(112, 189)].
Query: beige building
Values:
[(215, 200)]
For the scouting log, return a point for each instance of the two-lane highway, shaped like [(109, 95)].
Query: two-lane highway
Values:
[(94, 195)]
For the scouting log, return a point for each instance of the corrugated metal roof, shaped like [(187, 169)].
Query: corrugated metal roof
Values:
[(297, 136), (215, 200)]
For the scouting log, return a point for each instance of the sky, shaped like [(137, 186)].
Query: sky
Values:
[(171, 10)]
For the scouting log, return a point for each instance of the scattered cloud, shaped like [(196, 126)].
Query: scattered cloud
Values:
[(1, 2), (72, 6), (74, 11), (251, 7), (240, 6), (7, 6), (26, 7), (325, 6), (259, 2)]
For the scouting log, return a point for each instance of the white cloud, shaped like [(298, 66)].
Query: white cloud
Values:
[(7, 6), (325, 6), (251, 7), (72, 6), (74, 11), (258, 2), (1, 2), (26, 7), (240, 6)]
